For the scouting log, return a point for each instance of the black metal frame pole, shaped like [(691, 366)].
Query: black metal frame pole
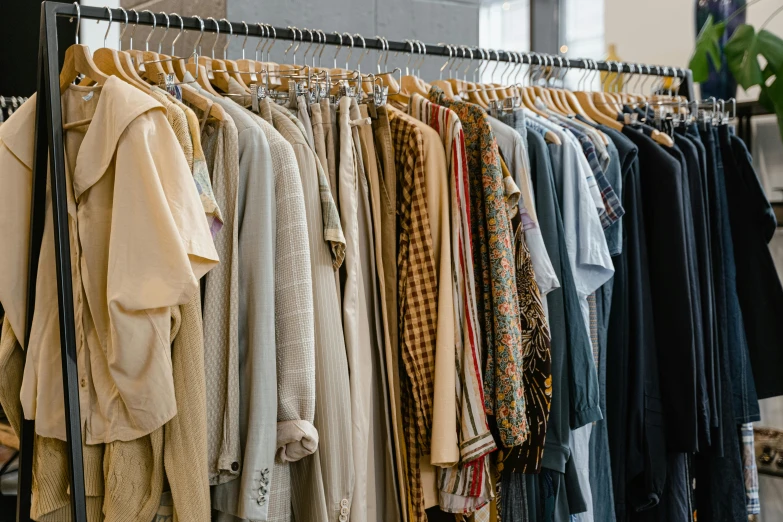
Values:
[(37, 217), (49, 142)]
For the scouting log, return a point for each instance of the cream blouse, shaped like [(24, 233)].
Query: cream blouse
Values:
[(139, 242)]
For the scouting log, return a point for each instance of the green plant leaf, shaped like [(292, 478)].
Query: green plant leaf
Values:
[(707, 48), (741, 55), (764, 97), (774, 93), (771, 47)]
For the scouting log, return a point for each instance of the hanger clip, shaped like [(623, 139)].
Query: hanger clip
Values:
[(167, 82), (257, 92), (380, 95), (347, 90)]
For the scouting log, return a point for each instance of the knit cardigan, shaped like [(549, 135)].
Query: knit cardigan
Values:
[(124, 480)]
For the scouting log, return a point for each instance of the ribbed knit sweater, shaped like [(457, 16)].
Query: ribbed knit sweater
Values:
[(124, 480)]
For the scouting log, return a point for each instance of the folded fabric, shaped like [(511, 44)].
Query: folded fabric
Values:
[(296, 439)]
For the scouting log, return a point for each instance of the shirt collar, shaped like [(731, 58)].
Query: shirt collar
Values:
[(118, 106), (18, 132)]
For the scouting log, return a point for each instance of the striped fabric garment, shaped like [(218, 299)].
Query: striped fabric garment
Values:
[(749, 469), (463, 488), (497, 301)]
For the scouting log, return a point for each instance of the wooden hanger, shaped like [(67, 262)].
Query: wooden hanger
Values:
[(79, 61), (230, 66), (108, 62)]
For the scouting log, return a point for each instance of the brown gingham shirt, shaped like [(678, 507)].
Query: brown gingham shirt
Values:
[(418, 298)]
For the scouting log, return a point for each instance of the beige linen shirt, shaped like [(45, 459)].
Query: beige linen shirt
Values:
[(139, 242)]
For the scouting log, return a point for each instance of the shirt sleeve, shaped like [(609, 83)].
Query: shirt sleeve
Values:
[(15, 191), (159, 247)]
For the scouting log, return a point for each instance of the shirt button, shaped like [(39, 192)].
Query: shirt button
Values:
[(343, 518), (344, 511), (344, 502), (235, 466), (83, 383)]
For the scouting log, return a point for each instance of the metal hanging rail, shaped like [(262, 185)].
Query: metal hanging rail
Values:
[(49, 145), (280, 33)]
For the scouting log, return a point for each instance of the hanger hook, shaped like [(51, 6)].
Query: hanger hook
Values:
[(135, 26), (380, 52), (125, 25), (423, 50), (497, 64), (509, 62), (154, 26), (361, 56), (263, 39), (388, 53), (168, 24), (487, 61), (270, 29), (108, 28), (322, 39), (440, 75), (632, 70), (477, 70), (350, 51), (179, 34), (467, 50), (606, 82), (613, 81), (639, 76), (217, 36), (453, 58), (309, 46), (293, 40), (299, 43), (618, 78), (410, 56), (197, 45), (228, 38), (339, 47), (244, 42), (78, 20), (518, 67), (458, 59)]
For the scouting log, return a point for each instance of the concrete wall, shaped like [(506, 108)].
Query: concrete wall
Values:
[(432, 21)]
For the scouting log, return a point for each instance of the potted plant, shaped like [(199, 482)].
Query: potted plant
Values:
[(742, 54)]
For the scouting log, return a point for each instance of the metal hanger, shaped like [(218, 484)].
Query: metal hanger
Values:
[(339, 48), (78, 60), (364, 52), (195, 65), (322, 36), (154, 26), (114, 63), (153, 66), (247, 67), (228, 67)]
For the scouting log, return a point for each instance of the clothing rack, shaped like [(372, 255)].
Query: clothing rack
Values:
[(9, 104), (49, 144)]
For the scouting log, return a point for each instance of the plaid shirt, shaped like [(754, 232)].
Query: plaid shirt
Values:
[(463, 488), (418, 300), (614, 208), (497, 300), (750, 471)]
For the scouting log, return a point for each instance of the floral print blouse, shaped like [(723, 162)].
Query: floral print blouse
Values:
[(495, 269)]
